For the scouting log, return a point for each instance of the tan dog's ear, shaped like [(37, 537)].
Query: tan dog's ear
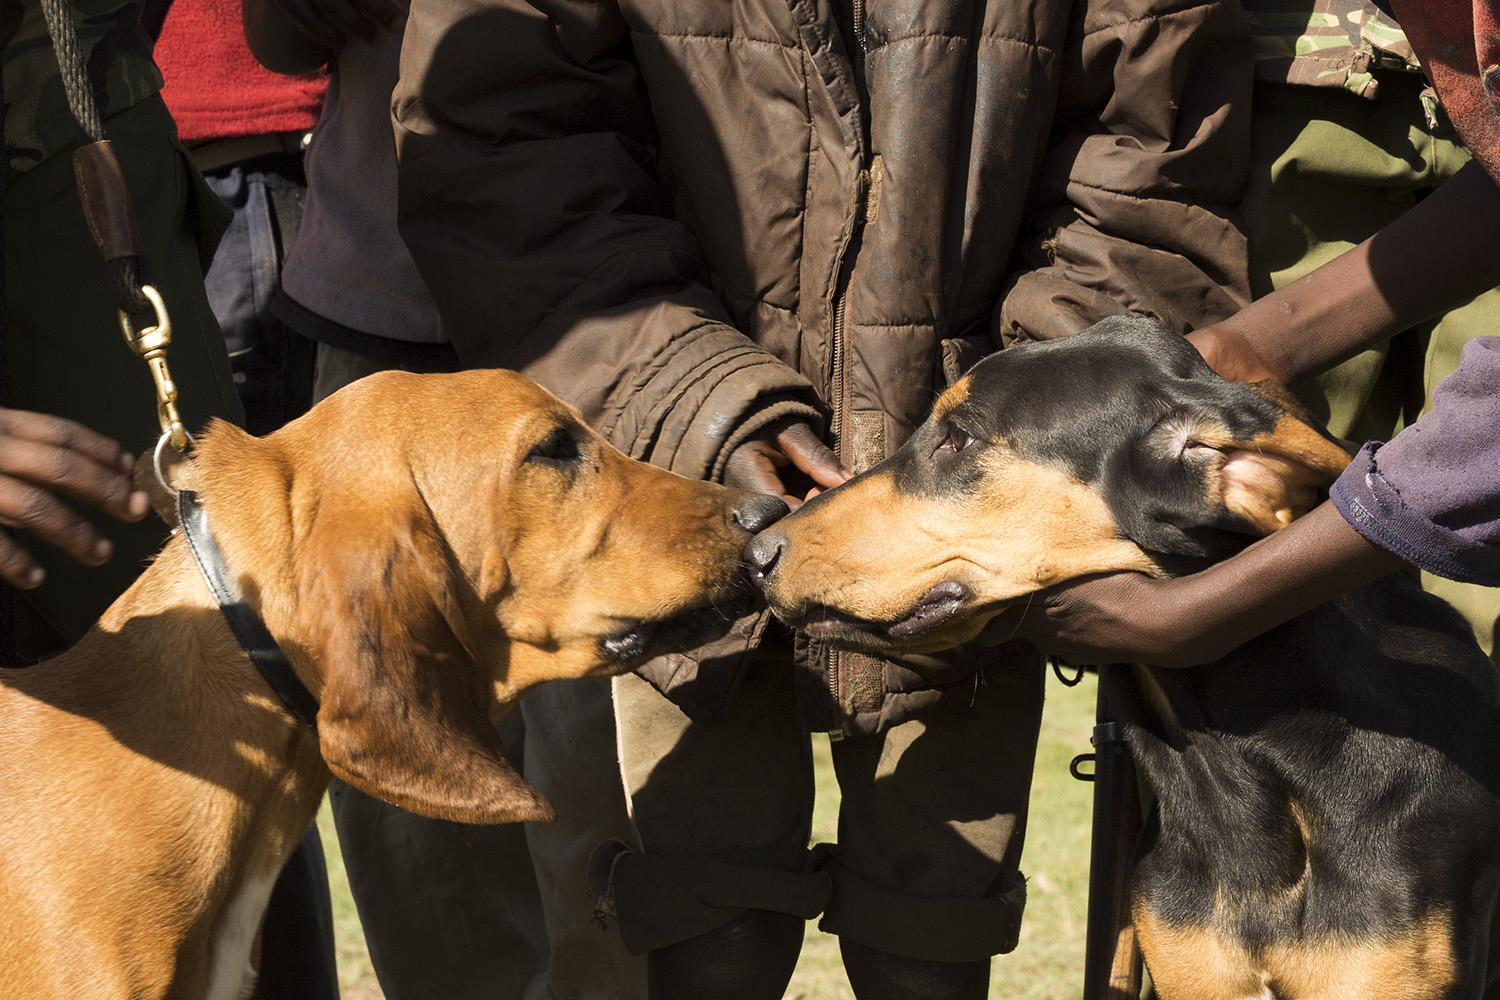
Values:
[(1272, 479), (404, 707)]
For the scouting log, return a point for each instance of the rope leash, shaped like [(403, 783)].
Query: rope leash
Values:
[(111, 220)]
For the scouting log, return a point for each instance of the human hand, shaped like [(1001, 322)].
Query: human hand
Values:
[(1116, 618), (41, 456), (333, 22), (1233, 355), (785, 459)]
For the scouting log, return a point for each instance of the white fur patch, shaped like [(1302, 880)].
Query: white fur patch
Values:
[(231, 976)]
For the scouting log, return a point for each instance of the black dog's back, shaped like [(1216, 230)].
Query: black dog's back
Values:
[(1328, 804)]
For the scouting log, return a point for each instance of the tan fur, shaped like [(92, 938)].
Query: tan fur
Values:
[(846, 546), (420, 574), (1273, 479), (1197, 964)]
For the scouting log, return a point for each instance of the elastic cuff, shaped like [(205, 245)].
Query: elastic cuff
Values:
[(1375, 508), (955, 929), (756, 420), (697, 394), (662, 899)]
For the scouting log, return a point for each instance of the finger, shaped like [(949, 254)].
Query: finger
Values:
[(17, 567), (25, 506), (43, 428), (76, 474), (807, 452), (753, 468)]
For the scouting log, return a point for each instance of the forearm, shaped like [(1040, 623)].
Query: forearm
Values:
[(1286, 574), (1200, 618), (280, 42), (1426, 261)]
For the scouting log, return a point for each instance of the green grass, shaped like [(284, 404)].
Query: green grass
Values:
[(1048, 963)]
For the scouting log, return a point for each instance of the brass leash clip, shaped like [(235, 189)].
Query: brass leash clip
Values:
[(150, 343)]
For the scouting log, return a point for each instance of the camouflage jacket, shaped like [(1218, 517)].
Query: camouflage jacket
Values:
[(1326, 43), (116, 50)]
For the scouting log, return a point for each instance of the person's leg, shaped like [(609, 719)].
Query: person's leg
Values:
[(716, 886), (297, 958), (926, 874), (571, 758), (450, 912)]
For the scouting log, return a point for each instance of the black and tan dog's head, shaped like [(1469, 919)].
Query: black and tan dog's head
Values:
[(1116, 449), (431, 547)]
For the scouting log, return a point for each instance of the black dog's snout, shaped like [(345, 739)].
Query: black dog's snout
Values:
[(761, 556), (758, 512)]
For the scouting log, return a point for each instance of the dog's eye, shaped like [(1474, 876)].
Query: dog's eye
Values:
[(558, 448), (957, 439)]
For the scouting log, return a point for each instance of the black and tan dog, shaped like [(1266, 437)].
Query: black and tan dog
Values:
[(1327, 818), (425, 549)]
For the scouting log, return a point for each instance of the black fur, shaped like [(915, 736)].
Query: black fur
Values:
[(1375, 718)]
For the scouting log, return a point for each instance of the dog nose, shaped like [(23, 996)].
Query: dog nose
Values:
[(761, 556), (758, 512)]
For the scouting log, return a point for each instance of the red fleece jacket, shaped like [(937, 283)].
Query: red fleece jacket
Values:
[(215, 88)]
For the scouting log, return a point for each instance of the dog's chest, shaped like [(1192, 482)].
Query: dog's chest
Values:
[(231, 974)]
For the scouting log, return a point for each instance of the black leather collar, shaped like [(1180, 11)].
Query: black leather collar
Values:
[(243, 621)]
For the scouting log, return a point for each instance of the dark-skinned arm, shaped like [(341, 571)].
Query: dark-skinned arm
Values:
[(1425, 262), (1413, 269), (299, 36), (1190, 620)]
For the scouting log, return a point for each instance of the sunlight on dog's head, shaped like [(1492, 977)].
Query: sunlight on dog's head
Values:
[(1118, 449), (455, 540)]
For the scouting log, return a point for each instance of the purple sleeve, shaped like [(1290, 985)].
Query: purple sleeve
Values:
[(1432, 494)]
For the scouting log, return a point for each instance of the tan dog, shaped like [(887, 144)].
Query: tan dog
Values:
[(425, 549)]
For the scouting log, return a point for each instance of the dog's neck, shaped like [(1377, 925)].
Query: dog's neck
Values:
[(213, 780)]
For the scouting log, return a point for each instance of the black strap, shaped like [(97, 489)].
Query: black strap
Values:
[(243, 621)]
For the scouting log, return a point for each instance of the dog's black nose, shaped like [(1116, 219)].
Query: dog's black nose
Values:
[(761, 556), (758, 512)]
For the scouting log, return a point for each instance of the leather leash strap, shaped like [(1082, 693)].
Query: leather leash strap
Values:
[(246, 625)]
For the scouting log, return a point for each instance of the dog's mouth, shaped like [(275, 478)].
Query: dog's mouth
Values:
[(942, 604), (681, 632)]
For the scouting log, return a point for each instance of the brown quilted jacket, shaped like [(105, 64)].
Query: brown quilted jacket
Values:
[(689, 218)]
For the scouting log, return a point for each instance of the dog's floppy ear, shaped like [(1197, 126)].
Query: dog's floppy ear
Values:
[(404, 706), (1275, 475)]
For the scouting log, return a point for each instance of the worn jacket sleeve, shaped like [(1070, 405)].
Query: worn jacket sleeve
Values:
[(1432, 494), (1135, 206), (530, 200)]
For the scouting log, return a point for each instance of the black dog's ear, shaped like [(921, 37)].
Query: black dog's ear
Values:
[(1276, 473)]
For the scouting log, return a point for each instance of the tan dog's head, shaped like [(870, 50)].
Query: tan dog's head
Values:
[(1116, 449), (450, 541)]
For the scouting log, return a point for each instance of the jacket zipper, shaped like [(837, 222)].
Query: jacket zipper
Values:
[(839, 362)]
